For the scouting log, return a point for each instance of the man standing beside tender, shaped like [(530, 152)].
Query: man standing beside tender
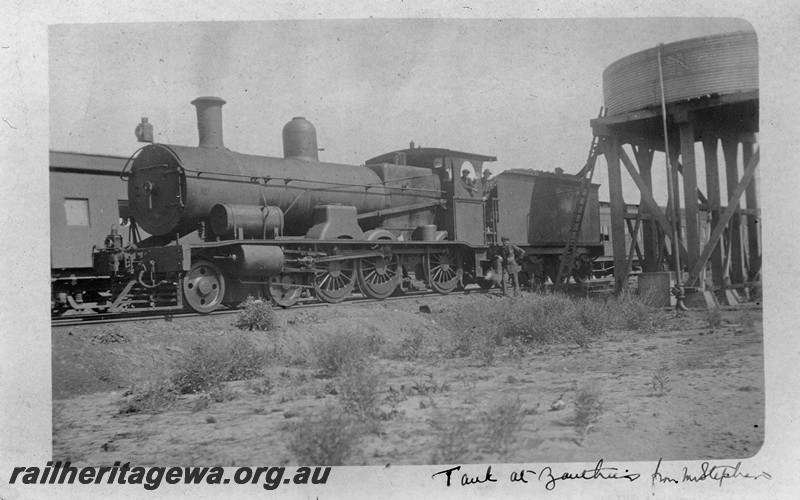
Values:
[(511, 256)]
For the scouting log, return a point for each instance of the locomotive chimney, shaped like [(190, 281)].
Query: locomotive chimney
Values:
[(300, 140), (209, 121)]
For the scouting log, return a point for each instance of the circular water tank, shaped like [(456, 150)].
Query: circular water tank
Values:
[(300, 140), (698, 67)]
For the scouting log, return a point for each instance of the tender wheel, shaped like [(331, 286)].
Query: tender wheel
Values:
[(378, 277), (582, 270), (551, 270), (525, 280), (203, 287), (486, 284), (285, 289), (334, 281), (443, 271)]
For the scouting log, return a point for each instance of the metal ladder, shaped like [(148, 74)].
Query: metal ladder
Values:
[(587, 172)]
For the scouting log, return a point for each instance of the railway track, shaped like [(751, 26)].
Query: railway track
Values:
[(357, 299)]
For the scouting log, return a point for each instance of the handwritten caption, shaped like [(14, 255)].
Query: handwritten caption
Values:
[(550, 477)]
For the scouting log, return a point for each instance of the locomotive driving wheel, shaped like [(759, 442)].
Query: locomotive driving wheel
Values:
[(204, 286), (285, 289), (443, 271), (334, 280), (378, 277)]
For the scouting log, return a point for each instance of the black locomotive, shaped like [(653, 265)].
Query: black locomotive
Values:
[(226, 225)]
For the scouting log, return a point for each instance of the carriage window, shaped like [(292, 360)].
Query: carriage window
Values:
[(77, 210)]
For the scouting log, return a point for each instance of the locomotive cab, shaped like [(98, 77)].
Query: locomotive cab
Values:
[(462, 196)]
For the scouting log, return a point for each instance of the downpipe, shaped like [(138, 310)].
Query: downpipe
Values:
[(678, 290)]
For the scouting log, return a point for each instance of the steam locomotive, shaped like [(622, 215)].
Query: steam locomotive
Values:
[(225, 225)]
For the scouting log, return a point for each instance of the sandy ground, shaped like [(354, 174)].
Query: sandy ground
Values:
[(711, 406)]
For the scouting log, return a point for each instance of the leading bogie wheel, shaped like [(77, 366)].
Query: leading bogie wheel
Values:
[(204, 286), (285, 289)]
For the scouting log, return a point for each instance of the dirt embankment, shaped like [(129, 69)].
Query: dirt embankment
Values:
[(688, 386)]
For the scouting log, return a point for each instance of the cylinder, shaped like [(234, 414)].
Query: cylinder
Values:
[(209, 121), (300, 140), (259, 260), (247, 221)]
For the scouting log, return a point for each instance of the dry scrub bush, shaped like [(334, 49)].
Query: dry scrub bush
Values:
[(291, 350), (247, 359), (756, 294), (746, 318), (630, 311), (479, 342), (661, 380), (150, 397), (109, 337), (588, 408), (479, 327), (256, 314), (594, 315), (335, 352), (207, 366), (547, 318), (359, 393), (325, 438), (472, 331), (222, 393), (410, 347), (201, 403), (262, 387), (713, 318), (501, 424), (486, 345), (453, 432), (430, 386)]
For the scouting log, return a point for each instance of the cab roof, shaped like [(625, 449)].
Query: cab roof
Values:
[(425, 157)]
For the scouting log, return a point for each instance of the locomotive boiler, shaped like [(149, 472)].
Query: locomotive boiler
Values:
[(173, 189), (225, 225)]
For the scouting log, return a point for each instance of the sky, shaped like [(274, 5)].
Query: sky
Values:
[(522, 90)]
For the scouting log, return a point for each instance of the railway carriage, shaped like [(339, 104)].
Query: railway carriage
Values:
[(87, 199)]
